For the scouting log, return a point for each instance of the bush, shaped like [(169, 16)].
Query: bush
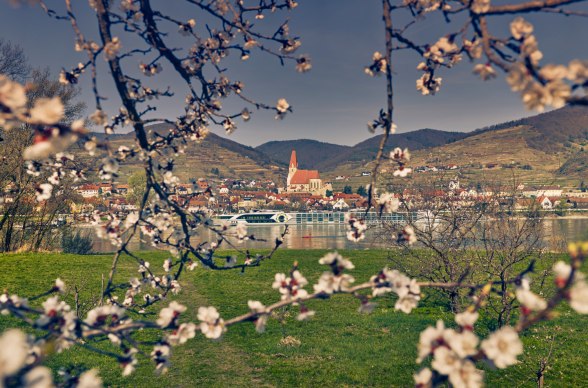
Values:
[(76, 242)]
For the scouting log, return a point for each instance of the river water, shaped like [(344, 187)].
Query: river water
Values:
[(309, 236)]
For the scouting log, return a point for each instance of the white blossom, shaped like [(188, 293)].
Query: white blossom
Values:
[(44, 191), (303, 64), (558, 93), (44, 147), (579, 297), (59, 285), (99, 117), (427, 85), (39, 377), (480, 6), (423, 378), (445, 360), (530, 49), (160, 355), (502, 347), (520, 28), (12, 94), (400, 155), (467, 376), (212, 326), (98, 315), (389, 202), (407, 235), (474, 48), (406, 303), (241, 229), (261, 320), (290, 287), (578, 71), (46, 111), (535, 97), (130, 361), (329, 283), (356, 228), (518, 77), (485, 71), (182, 334), (168, 315), (554, 72), (89, 379), (530, 300), (282, 105), (466, 319), (336, 260), (464, 344), (305, 314), (429, 339), (112, 48), (14, 350)]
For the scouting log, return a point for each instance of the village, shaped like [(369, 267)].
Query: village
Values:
[(305, 191)]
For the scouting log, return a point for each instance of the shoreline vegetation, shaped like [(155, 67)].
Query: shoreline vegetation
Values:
[(339, 346)]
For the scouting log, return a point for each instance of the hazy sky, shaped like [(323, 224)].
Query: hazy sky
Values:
[(335, 100)]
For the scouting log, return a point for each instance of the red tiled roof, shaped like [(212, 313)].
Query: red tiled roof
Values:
[(293, 160), (578, 199), (89, 186), (302, 177)]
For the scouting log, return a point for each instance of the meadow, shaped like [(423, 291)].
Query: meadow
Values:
[(338, 347)]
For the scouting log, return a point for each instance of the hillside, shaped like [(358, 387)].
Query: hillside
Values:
[(544, 148), (311, 154), (415, 140), (493, 155), (328, 157), (576, 165), (554, 130), (233, 160), (547, 148)]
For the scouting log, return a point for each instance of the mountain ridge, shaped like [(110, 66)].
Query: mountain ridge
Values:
[(546, 145)]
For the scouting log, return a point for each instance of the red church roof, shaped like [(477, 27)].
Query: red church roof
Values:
[(302, 177), (293, 160)]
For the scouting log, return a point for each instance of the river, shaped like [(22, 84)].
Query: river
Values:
[(311, 236)]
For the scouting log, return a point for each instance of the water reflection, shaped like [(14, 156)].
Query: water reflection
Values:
[(556, 232)]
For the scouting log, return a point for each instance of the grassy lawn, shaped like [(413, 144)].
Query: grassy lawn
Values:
[(339, 347)]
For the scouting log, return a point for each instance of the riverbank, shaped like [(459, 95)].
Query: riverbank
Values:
[(337, 347)]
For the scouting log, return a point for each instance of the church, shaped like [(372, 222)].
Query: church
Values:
[(304, 181)]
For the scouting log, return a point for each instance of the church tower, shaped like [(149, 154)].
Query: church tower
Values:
[(292, 167)]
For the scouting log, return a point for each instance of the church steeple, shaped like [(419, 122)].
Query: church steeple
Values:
[(292, 167), (293, 160)]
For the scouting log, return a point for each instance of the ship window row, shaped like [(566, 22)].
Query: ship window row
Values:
[(340, 217)]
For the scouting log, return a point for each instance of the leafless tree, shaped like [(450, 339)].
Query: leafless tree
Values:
[(13, 61), (24, 222), (469, 237)]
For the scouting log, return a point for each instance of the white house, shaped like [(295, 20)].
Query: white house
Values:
[(340, 205), (549, 191), (88, 190), (545, 203), (543, 191)]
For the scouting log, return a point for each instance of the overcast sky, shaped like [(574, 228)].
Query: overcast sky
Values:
[(335, 100)]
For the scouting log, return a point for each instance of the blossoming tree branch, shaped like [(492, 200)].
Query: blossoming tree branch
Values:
[(220, 28)]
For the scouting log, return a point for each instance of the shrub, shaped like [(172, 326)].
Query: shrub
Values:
[(76, 242)]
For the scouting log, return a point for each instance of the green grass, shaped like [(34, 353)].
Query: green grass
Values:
[(339, 347)]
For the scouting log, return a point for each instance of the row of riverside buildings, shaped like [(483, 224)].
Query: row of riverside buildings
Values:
[(304, 191)]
